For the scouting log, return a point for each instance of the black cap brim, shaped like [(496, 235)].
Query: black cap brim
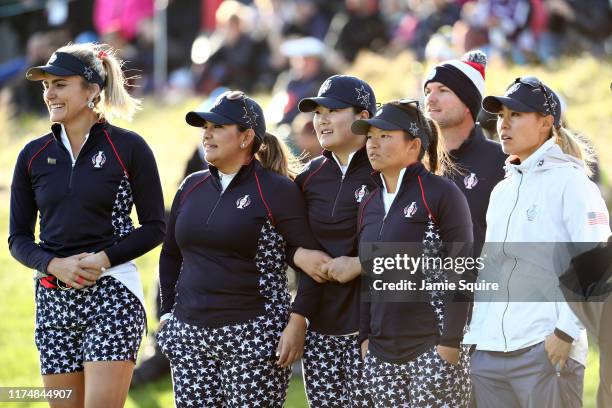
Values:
[(38, 73), (361, 127), (198, 119), (310, 104), (493, 104)]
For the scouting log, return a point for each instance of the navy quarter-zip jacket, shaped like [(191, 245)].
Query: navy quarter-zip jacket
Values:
[(333, 203), (400, 331), (85, 208), (482, 163), (223, 259)]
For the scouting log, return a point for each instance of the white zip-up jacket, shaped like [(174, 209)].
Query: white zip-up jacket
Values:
[(546, 199)]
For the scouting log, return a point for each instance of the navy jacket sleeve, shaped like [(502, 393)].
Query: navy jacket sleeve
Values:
[(149, 202), (455, 225), (23, 212), (170, 258), (289, 212)]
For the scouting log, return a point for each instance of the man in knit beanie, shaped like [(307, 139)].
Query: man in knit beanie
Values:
[(453, 96)]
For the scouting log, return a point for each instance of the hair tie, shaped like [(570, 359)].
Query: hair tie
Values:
[(102, 54)]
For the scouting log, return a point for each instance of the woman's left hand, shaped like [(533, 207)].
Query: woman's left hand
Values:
[(448, 354), (291, 345), (96, 261)]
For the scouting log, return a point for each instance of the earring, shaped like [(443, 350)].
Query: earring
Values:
[(242, 145), (90, 104)]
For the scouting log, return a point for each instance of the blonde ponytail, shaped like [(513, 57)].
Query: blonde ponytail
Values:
[(114, 99), (273, 154), (575, 145)]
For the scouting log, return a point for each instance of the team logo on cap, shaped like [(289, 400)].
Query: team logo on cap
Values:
[(414, 129), (98, 159), (325, 87), (243, 202), (363, 96), (361, 192), (470, 181), (250, 116), (52, 59), (88, 73), (513, 88), (410, 210)]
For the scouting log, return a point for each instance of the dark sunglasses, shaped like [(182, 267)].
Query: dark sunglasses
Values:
[(550, 105)]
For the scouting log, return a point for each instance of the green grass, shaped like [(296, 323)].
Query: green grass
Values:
[(583, 82)]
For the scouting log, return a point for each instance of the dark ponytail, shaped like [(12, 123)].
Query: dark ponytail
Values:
[(437, 159), (273, 154)]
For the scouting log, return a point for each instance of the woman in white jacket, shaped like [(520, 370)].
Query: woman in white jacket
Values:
[(530, 347)]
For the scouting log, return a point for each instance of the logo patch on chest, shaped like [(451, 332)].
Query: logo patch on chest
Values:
[(410, 210), (361, 192), (98, 159), (470, 181), (243, 202), (532, 212)]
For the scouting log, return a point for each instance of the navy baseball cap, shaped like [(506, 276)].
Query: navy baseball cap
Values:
[(339, 92), (391, 117), (527, 94), (64, 64), (232, 108)]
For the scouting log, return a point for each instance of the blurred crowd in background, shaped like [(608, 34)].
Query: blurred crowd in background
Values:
[(287, 48)]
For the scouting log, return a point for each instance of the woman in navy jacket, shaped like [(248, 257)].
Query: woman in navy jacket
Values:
[(412, 348), (334, 184), (223, 278), (83, 178)]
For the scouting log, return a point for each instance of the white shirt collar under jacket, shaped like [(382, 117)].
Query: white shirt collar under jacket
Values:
[(387, 196), (66, 142)]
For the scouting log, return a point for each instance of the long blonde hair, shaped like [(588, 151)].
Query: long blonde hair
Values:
[(575, 145), (273, 154), (114, 99)]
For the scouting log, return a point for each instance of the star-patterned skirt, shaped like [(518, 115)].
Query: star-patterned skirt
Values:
[(229, 366), (103, 322)]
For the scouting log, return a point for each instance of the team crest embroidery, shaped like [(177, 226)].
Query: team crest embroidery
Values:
[(88, 73), (98, 159), (410, 210), (325, 87), (361, 192), (243, 202), (513, 89), (363, 96), (470, 181), (532, 212)]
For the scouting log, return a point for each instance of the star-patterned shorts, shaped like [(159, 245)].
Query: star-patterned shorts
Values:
[(229, 366), (333, 371), (103, 322), (427, 381)]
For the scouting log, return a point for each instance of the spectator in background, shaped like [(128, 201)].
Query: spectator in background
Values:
[(231, 51), (305, 75), (360, 26), (443, 13), (306, 20)]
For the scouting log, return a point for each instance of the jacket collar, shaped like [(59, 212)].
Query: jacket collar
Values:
[(244, 172), (475, 136), (410, 172), (96, 129), (360, 156), (547, 156)]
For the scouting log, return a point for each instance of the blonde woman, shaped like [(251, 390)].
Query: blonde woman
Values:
[(82, 179)]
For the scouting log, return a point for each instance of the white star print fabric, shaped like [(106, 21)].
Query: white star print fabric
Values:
[(333, 372), (104, 322)]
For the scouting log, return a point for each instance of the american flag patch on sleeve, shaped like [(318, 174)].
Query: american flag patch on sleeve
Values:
[(595, 218)]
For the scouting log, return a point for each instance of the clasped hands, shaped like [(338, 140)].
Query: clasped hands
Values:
[(323, 268), (81, 270)]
